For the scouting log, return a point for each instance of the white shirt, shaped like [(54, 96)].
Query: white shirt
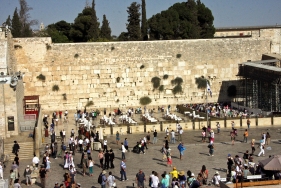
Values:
[(217, 178), (181, 131), (123, 149), (105, 142), (167, 131), (80, 141), (87, 140), (173, 134), (63, 133), (155, 181)]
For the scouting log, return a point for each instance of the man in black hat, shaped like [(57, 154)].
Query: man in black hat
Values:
[(16, 147)]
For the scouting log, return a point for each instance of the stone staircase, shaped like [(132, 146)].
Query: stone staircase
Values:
[(26, 150)]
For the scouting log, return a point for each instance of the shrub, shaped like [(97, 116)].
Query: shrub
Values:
[(48, 46), (156, 82), (41, 77), (16, 46), (201, 82), (89, 103), (76, 55), (55, 88), (177, 89), (64, 96), (177, 81), (231, 91), (142, 66), (145, 100), (117, 100), (161, 88), (166, 76), (118, 79), (112, 48), (178, 55)]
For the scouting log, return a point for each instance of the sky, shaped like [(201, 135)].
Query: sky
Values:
[(227, 13)]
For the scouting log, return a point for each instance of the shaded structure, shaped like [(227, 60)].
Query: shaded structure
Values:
[(260, 83)]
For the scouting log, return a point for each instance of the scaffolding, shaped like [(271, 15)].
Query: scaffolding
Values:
[(260, 86)]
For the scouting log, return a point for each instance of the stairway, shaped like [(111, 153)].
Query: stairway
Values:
[(26, 150)]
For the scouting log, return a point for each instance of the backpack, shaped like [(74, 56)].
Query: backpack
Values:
[(63, 147), (100, 179), (195, 184)]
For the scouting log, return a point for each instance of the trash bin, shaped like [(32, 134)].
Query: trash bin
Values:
[(97, 145)]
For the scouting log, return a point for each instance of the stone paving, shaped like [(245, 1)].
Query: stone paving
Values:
[(194, 157)]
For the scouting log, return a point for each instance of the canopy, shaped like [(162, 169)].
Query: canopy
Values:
[(272, 163)]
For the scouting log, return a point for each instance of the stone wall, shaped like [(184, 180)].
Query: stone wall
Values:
[(89, 71)]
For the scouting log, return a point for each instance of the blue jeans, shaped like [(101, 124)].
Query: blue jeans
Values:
[(173, 140), (154, 140), (123, 175)]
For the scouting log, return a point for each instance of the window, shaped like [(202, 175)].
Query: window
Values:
[(11, 123)]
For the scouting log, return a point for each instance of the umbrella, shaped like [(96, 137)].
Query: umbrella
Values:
[(272, 163), (101, 134)]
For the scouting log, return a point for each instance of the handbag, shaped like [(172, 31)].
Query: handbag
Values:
[(114, 184)]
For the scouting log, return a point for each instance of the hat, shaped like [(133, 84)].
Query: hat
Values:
[(79, 184), (56, 183), (217, 172), (169, 149), (212, 131), (228, 155), (27, 166), (192, 174), (174, 168), (103, 172), (181, 173)]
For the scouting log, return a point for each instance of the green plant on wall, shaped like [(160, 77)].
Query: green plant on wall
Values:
[(89, 103), (76, 55), (41, 77), (64, 96), (177, 81), (48, 46), (178, 55), (166, 76), (142, 66), (201, 82), (161, 88), (55, 88), (177, 90), (112, 48), (118, 79), (145, 100), (156, 82)]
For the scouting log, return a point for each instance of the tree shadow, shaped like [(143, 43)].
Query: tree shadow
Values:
[(204, 154)]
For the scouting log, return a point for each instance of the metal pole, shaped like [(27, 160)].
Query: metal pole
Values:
[(207, 102)]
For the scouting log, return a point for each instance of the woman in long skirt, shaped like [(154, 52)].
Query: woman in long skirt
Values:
[(91, 166)]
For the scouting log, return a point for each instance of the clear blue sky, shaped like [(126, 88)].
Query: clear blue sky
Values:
[(226, 12)]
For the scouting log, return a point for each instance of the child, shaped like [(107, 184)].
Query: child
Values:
[(203, 136)]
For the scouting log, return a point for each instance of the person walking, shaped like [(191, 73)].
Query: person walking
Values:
[(104, 179), (267, 141), (100, 156), (123, 150), (248, 123), (246, 134), (181, 149), (218, 127), (16, 147), (211, 149), (91, 166), (232, 137), (173, 138), (84, 165), (253, 146), (180, 134), (205, 174), (27, 175), (43, 176), (123, 169), (106, 160), (148, 138), (168, 134), (111, 181), (155, 137), (104, 145), (140, 178), (126, 144), (117, 137), (261, 147), (111, 158)]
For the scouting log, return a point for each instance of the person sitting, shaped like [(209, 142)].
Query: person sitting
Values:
[(216, 179)]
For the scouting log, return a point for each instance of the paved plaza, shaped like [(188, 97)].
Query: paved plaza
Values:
[(195, 156)]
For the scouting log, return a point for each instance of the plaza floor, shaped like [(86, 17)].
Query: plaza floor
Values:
[(195, 156)]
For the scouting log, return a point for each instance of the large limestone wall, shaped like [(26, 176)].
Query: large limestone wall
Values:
[(92, 73)]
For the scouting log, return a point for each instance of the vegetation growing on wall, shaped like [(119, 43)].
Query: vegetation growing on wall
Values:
[(55, 88), (41, 77), (177, 90), (166, 76), (76, 55), (201, 82), (178, 55), (118, 79), (142, 66), (48, 46), (145, 100), (89, 103), (177, 82), (17, 46), (161, 88), (156, 82), (64, 96)]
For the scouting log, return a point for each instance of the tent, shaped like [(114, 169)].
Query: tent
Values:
[(272, 163)]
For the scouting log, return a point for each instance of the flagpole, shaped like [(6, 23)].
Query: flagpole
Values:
[(207, 102)]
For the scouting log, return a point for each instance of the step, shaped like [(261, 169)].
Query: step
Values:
[(26, 150)]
